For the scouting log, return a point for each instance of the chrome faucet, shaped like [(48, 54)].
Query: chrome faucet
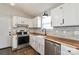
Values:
[(44, 31)]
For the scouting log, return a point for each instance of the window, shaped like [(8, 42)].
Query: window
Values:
[(46, 22)]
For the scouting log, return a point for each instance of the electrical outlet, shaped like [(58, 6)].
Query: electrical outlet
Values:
[(76, 32), (64, 32)]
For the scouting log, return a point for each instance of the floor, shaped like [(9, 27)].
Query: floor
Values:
[(24, 51)]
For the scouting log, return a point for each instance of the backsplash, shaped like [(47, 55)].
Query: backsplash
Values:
[(64, 32)]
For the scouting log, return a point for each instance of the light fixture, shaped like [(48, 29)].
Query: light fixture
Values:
[(12, 4), (45, 13)]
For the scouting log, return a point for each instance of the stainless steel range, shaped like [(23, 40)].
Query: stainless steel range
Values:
[(20, 38)]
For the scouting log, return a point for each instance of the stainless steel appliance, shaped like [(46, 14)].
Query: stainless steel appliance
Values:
[(22, 39), (20, 36), (52, 48)]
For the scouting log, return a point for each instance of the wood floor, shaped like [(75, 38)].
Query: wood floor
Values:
[(24, 51)]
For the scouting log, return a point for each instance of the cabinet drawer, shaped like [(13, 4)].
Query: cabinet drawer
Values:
[(64, 53), (69, 50)]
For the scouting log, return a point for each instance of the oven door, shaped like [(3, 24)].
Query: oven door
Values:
[(23, 40)]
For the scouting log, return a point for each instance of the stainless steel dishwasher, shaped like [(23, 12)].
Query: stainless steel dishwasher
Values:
[(52, 48)]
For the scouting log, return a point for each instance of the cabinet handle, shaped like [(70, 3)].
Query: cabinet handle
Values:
[(61, 7), (63, 21), (69, 51), (51, 23)]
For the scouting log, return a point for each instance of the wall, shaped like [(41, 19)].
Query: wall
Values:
[(6, 9), (6, 13)]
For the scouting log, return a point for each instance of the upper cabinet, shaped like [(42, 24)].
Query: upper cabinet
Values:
[(70, 14), (37, 22), (21, 20), (57, 16), (65, 15)]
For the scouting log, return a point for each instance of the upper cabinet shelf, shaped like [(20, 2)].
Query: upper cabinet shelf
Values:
[(65, 15)]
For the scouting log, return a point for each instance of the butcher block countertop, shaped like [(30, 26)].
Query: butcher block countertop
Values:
[(63, 41)]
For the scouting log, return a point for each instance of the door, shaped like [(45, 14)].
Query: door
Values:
[(4, 31)]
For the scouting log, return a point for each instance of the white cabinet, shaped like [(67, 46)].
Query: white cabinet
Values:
[(32, 41), (14, 42), (65, 15), (37, 22), (57, 16), (29, 22), (40, 44), (18, 20), (37, 42), (21, 20), (65, 50), (70, 14)]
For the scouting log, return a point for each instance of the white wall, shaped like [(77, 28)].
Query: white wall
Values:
[(6, 12), (6, 9)]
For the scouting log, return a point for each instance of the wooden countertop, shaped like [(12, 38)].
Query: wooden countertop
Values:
[(63, 41), (33, 33)]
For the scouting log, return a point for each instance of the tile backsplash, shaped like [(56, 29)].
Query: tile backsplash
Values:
[(64, 32)]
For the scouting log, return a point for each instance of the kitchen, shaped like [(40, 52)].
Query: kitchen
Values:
[(39, 29)]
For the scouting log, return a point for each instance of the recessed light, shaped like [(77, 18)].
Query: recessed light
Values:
[(12, 4)]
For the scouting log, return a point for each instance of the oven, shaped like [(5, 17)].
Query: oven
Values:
[(22, 39)]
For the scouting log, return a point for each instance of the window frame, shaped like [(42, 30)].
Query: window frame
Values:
[(46, 23)]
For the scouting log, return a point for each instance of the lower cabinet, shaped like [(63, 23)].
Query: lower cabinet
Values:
[(52, 48), (37, 43), (46, 47), (65, 50)]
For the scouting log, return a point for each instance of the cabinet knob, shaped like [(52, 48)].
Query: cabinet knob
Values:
[(61, 7), (9, 33), (69, 51)]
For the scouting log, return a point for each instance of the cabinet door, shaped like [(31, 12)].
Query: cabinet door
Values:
[(35, 22), (32, 41), (41, 45), (77, 22), (57, 16), (17, 20), (69, 50), (14, 21), (70, 14), (30, 22), (22, 20), (14, 42)]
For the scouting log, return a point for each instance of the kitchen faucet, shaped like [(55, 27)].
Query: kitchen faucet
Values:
[(44, 31)]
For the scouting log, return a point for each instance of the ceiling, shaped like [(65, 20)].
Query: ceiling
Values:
[(35, 9)]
